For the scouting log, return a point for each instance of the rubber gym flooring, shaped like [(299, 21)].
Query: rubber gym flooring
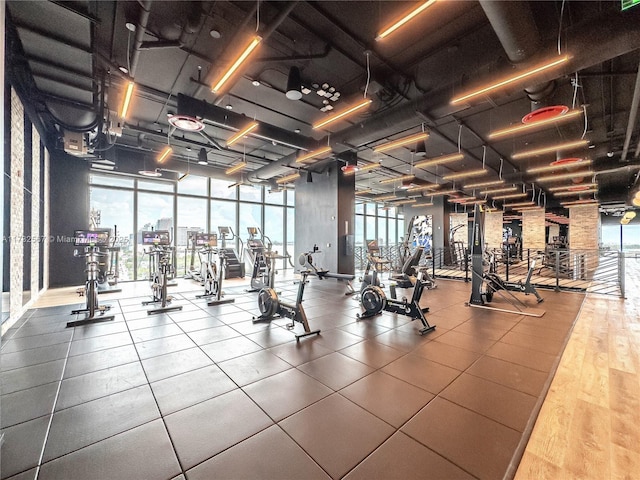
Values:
[(205, 393)]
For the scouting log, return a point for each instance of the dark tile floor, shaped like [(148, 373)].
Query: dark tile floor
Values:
[(205, 393)]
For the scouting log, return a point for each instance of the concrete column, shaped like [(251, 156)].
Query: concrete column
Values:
[(16, 228)]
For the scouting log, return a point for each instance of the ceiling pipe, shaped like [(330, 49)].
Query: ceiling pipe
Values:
[(633, 115), (141, 29)]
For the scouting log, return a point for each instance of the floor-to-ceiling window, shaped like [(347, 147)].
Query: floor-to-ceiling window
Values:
[(194, 203)]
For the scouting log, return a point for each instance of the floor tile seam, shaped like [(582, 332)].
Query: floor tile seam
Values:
[(16, 330), (53, 408), (159, 411), (34, 348), (487, 354)]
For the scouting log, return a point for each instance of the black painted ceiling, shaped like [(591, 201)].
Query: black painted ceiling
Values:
[(67, 58)]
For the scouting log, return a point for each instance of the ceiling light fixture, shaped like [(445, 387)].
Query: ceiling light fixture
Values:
[(579, 202), (363, 191), (397, 179), (549, 149), (150, 173), (564, 176), (467, 201), (288, 178), (519, 204), (509, 80), (443, 192), (570, 193), (294, 84), (241, 133), (509, 196), (127, 100), (186, 123), (529, 209), (401, 141), (441, 160), (409, 16), (342, 114), (183, 176), (421, 188), (526, 127), (236, 168), (497, 190), (551, 168), (404, 202), (202, 157), (428, 204), (364, 168), (468, 173), (384, 198), (490, 183), (234, 66), (165, 153), (313, 154)]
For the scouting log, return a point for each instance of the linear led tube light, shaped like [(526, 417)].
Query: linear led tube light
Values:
[(570, 193), (573, 186), (235, 168), (127, 100), (443, 192), (363, 191), (441, 160), (423, 187), (464, 201), (468, 173), (409, 16), (565, 176), (497, 190), (400, 142), (509, 196), (363, 168), (509, 80), (241, 133), (234, 66), (428, 204), (312, 154), (403, 202), (384, 198), (287, 178), (579, 202), (525, 127), (398, 179), (528, 209), (490, 183), (551, 168), (549, 149), (342, 114), (165, 153), (519, 204)]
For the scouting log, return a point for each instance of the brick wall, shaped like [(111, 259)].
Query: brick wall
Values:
[(493, 230), (584, 227), (533, 230), (462, 234), (16, 250), (35, 213)]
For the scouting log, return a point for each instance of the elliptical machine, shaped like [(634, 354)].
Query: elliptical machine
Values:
[(92, 241), (212, 275), (160, 268), (259, 251)]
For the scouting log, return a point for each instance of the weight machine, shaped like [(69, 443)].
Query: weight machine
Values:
[(271, 307), (160, 254), (92, 241), (492, 282)]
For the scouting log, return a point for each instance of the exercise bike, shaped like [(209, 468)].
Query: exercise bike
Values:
[(493, 283), (271, 307), (160, 268), (212, 275), (374, 301), (260, 252), (375, 264), (92, 241)]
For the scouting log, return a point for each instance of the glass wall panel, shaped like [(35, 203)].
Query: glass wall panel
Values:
[(371, 209), (274, 225), (155, 211), (277, 198), (223, 214), (220, 189), (192, 217), (193, 185), (110, 180), (392, 231), (630, 237), (359, 230), (611, 236), (250, 216), (370, 228), (291, 198), (382, 231), (251, 193), (291, 231), (115, 210), (155, 186), (359, 208)]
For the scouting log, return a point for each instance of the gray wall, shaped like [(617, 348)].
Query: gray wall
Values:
[(324, 215), (69, 195)]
